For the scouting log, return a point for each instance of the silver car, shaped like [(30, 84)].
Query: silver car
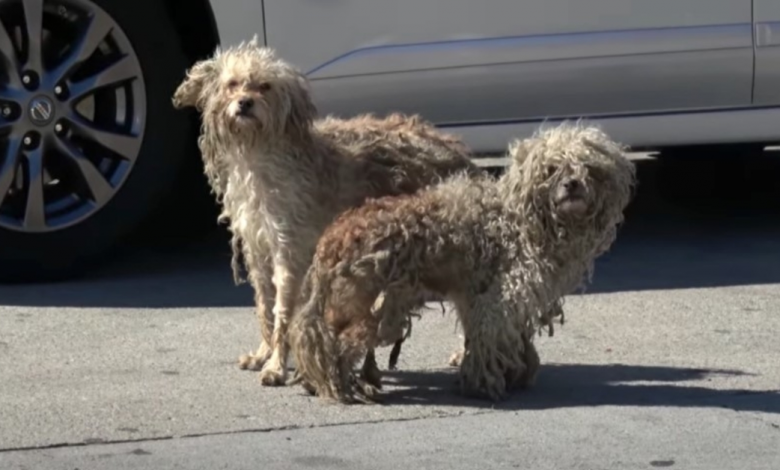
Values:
[(91, 148)]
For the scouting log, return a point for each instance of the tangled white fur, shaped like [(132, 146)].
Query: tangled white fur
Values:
[(282, 175), (504, 252)]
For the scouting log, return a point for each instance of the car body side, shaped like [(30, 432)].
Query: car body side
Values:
[(655, 74), (662, 75)]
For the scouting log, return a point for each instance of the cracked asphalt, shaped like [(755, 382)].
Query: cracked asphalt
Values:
[(669, 360)]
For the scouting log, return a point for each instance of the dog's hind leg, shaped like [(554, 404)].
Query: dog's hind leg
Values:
[(394, 353), (395, 313), (392, 361), (287, 282), (265, 292), (370, 372)]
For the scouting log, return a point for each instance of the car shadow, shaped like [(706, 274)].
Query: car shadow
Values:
[(587, 385), (697, 225), (194, 273), (691, 225)]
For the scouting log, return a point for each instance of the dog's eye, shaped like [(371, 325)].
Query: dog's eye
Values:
[(265, 86), (232, 84), (551, 170)]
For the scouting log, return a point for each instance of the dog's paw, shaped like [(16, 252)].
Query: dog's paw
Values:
[(533, 363), (251, 362), (477, 381), (373, 376), (528, 378), (367, 393), (297, 378), (272, 377), (456, 359), (255, 361), (309, 388)]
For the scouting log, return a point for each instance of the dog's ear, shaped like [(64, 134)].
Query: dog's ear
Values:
[(191, 91), (302, 110)]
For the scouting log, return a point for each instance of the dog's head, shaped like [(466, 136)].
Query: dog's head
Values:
[(248, 92), (573, 179)]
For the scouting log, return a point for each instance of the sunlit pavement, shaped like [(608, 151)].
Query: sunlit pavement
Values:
[(669, 360)]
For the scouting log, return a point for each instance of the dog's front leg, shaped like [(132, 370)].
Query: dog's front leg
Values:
[(287, 282), (261, 277), (483, 369)]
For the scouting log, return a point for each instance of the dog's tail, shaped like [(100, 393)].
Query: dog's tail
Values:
[(314, 344)]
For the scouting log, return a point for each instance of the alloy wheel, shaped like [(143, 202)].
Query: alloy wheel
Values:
[(72, 112)]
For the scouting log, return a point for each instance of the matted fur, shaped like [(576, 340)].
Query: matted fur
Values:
[(282, 175), (503, 251)]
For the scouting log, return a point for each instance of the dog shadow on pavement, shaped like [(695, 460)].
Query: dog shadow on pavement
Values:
[(588, 385)]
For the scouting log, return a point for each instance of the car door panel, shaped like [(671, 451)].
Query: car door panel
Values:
[(767, 29), (535, 89), (237, 20), (459, 61)]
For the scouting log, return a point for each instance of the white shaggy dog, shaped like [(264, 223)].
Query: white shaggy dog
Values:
[(504, 252), (282, 176)]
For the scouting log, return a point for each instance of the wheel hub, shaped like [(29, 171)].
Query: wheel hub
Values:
[(41, 110)]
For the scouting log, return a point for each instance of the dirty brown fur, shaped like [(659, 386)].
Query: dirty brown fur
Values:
[(504, 251), (282, 175)]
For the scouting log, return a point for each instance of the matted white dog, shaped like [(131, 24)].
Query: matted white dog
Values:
[(283, 176)]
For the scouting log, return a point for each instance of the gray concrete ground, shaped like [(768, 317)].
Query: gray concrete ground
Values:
[(669, 360)]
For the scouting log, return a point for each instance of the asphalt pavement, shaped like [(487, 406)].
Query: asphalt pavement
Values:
[(669, 360)]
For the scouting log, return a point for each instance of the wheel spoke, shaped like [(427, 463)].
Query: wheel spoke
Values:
[(96, 30), (8, 168), (116, 73), (33, 16), (99, 187), (6, 46), (5, 126), (125, 145), (12, 94), (35, 213), (11, 61)]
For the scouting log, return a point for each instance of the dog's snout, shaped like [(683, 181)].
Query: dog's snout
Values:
[(571, 185), (245, 104)]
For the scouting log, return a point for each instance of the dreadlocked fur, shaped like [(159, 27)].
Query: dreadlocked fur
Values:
[(282, 175), (504, 251)]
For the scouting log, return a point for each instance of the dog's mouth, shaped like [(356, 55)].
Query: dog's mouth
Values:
[(244, 115), (243, 121), (572, 205)]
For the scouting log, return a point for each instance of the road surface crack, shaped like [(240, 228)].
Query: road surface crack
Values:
[(291, 427)]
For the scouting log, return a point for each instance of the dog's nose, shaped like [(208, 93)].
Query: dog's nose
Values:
[(571, 185), (245, 104)]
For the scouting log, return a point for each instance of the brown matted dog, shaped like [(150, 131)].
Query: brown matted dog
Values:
[(282, 175), (504, 251)]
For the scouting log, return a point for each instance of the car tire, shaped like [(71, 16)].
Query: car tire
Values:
[(166, 144)]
